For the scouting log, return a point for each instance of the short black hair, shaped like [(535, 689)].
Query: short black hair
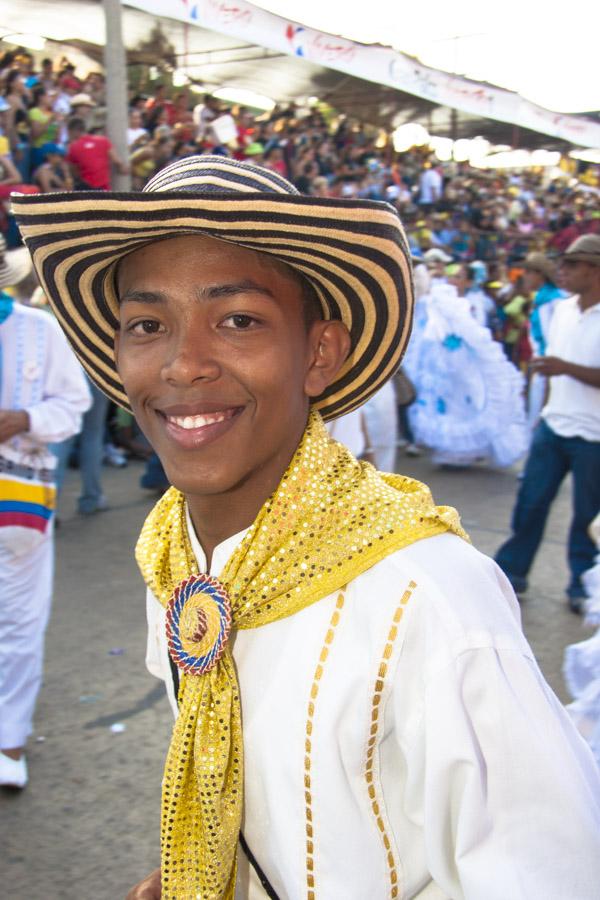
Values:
[(312, 308), (37, 93), (76, 124)]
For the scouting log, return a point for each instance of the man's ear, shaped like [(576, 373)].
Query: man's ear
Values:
[(330, 346)]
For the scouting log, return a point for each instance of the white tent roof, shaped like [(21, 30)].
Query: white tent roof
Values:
[(238, 44), (546, 54)]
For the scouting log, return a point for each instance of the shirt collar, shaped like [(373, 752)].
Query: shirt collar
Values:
[(583, 312), (590, 310), (221, 553)]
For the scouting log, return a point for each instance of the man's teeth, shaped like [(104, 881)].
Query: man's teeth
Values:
[(198, 421)]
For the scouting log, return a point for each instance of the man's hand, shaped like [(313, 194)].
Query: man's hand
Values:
[(13, 421), (550, 365), (148, 889)]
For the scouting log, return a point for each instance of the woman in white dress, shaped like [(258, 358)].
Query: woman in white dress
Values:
[(469, 403)]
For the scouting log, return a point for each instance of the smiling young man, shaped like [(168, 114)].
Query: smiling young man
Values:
[(235, 325), (357, 711)]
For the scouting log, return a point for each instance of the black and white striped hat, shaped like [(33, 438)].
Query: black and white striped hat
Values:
[(354, 252)]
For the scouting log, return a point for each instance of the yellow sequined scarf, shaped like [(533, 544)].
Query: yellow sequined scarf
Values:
[(330, 519)]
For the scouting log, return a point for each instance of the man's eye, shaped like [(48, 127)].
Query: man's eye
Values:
[(145, 326), (239, 321)]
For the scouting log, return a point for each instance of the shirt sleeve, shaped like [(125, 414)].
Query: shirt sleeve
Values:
[(66, 395), (510, 792)]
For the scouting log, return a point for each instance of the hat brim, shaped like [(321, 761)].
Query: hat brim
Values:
[(81, 100), (354, 253), (581, 256), (548, 272)]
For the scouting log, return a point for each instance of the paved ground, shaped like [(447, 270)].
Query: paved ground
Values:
[(87, 826)]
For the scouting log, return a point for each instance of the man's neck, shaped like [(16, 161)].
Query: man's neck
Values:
[(218, 517), (587, 299), (211, 532)]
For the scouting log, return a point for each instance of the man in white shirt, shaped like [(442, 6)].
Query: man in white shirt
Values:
[(567, 438), (357, 711), (430, 187), (135, 131), (203, 114)]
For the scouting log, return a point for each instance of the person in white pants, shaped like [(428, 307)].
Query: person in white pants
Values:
[(43, 395), (380, 416)]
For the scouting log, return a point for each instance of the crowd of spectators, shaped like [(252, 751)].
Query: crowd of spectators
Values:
[(475, 228), (52, 125)]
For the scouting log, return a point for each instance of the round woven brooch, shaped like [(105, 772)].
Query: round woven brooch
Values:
[(198, 624)]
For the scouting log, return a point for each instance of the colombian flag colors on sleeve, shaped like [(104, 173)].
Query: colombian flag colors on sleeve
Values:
[(25, 504)]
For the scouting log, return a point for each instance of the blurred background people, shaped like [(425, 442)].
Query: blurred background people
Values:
[(92, 156), (43, 395), (53, 174)]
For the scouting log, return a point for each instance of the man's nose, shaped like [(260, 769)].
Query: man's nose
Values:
[(192, 357)]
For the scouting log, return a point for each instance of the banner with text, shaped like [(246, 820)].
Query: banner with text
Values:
[(381, 65)]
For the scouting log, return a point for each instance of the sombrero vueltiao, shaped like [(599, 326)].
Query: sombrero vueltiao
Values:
[(354, 252)]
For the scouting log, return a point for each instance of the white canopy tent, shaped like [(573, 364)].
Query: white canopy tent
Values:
[(237, 44)]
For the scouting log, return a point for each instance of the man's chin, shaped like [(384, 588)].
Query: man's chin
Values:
[(197, 485)]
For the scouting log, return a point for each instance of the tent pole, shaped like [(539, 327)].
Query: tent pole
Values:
[(116, 88), (453, 124)]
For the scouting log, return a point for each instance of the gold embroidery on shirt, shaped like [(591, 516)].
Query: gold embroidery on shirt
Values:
[(314, 691), (372, 742)]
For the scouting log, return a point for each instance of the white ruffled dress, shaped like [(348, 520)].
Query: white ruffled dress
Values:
[(582, 661), (470, 403)]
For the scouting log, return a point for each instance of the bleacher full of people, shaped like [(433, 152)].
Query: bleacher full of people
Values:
[(52, 137)]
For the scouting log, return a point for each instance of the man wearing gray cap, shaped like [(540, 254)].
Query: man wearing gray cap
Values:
[(567, 438)]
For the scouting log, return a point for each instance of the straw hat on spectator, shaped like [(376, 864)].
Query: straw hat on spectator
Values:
[(436, 255), (537, 262), (584, 249), (82, 100)]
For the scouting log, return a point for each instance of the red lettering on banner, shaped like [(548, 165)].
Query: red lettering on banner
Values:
[(227, 13), (323, 48)]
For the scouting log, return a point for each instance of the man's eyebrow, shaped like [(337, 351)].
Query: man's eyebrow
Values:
[(211, 292), (143, 297), (247, 285)]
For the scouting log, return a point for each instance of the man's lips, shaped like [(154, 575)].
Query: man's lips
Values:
[(194, 424), (190, 423), (200, 408)]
